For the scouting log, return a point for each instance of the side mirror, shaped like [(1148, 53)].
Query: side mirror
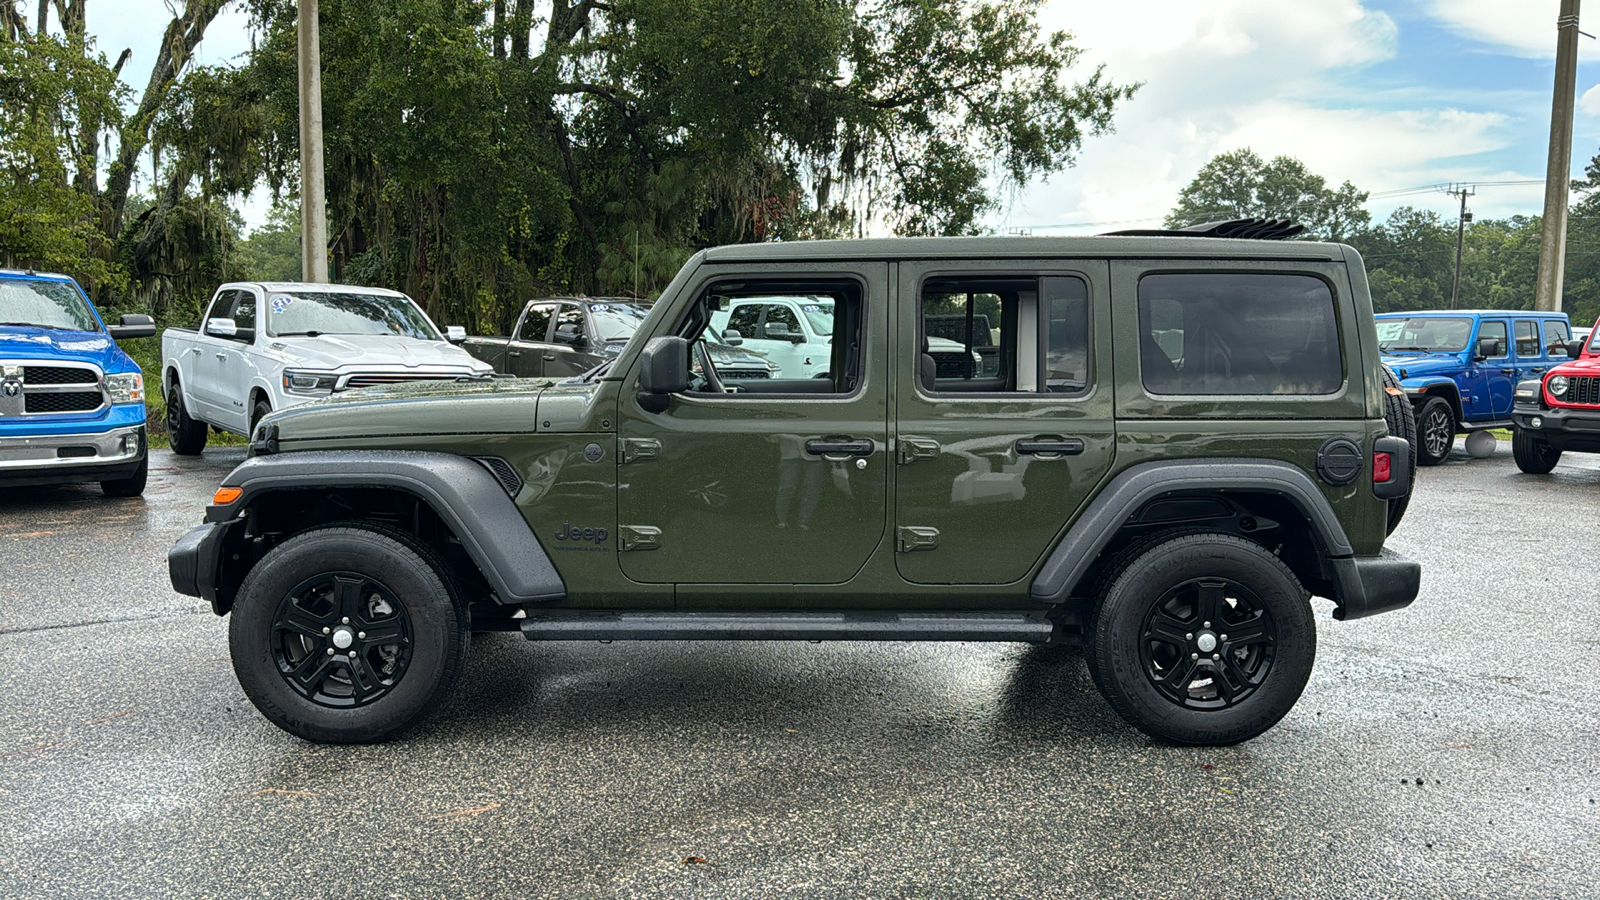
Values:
[(133, 326), (1574, 349), (455, 334), (569, 334), (222, 328), (663, 370), (1489, 348), (778, 331), (732, 337)]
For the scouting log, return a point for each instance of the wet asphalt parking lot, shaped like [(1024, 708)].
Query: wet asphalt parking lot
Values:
[(1447, 750)]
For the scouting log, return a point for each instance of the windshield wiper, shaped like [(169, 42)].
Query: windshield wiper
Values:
[(1412, 349), (596, 372), (312, 333), (25, 324)]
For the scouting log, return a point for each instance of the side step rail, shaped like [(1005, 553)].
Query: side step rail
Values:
[(665, 626)]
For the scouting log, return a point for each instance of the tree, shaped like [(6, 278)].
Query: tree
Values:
[(1240, 185), (481, 151)]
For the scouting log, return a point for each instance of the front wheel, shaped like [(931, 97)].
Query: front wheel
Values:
[(1533, 454), (1436, 431), (348, 635), (132, 486), (1201, 639)]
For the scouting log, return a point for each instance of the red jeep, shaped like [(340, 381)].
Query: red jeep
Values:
[(1561, 411)]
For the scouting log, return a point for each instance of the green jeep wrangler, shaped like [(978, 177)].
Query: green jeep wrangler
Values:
[(1169, 444)]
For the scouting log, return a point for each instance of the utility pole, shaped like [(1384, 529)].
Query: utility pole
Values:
[(1558, 171), (313, 195), (1462, 191)]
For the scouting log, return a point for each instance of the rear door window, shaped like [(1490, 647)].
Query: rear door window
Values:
[(1238, 333), (1528, 338)]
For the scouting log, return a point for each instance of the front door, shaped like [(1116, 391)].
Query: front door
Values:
[(1004, 413), (1496, 375), (526, 350), (774, 482)]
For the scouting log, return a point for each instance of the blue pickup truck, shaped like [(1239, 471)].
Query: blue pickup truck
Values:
[(1459, 367), (71, 402)]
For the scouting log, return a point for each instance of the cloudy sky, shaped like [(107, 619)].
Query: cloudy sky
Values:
[(1389, 94)]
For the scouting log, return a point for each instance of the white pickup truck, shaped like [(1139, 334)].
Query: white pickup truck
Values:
[(270, 345)]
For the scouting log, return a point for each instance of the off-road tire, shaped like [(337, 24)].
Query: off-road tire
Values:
[(1133, 600), (187, 436), (132, 486), (1533, 454), (1436, 431), (410, 577), (1402, 420)]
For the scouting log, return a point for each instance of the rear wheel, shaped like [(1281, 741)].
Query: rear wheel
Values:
[(186, 435), (1397, 412), (1201, 639), (1436, 431), (348, 635), (1533, 453)]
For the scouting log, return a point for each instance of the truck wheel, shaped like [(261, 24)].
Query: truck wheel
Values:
[(347, 634), (1201, 639), (1533, 453), (1436, 431), (132, 486), (1397, 412), (187, 436), (261, 408)]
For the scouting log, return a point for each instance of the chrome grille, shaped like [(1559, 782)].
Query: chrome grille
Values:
[(33, 375), (359, 381)]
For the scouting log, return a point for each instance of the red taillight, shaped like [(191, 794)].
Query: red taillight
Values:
[(1381, 471)]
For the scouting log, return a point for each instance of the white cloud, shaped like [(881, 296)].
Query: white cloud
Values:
[(1590, 101), (1522, 27), (1252, 73)]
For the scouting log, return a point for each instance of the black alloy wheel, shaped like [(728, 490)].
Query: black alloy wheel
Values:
[(1208, 643), (341, 639), (186, 435), (1200, 639), (1436, 431), (348, 633)]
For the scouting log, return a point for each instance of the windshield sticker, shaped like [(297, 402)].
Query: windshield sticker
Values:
[(280, 303), (598, 307), (812, 308)]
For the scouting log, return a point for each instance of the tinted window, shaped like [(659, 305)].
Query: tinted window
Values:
[(570, 320), (244, 311), (1527, 338), (536, 324), (1238, 334), (744, 319), (986, 334), (1494, 331), (1556, 336)]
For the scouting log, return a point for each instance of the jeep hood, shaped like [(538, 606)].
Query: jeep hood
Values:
[(487, 406), (1416, 365), (388, 415), (362, 351)]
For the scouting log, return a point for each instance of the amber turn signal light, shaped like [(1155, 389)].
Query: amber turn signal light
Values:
[(226, 495)]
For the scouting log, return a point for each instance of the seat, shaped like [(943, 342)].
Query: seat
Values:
[(927, 367)]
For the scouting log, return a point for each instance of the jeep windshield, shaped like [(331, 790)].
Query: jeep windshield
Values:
[(1423, 334), (45, 304), (313, 313)]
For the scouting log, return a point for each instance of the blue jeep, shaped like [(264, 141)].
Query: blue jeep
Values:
[(1459, 366), (71, 402)]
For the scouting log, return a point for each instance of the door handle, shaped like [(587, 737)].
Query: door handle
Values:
[(515, 353), (1050, 448), (1508, 371), (1539, 371), (222, 356), (194, 349), (839, 449), (549, 357)]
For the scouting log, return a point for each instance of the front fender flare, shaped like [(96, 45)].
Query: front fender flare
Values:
[(463, 492)]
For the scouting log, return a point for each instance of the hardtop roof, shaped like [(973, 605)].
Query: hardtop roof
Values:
[(1025, 247)]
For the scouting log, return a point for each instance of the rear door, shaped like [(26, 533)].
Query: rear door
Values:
[(1530, 358), (993, 460)]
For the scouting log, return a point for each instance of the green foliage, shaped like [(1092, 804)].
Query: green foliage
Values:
[(272, 252), (49, 87), (1241, 184)]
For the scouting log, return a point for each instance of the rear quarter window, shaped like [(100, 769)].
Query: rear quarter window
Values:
[(1238, 334)]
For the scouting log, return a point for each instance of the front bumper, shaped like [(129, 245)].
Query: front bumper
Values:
[(1561, 427), (67, 458), (1368, 585), (194, 564)]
